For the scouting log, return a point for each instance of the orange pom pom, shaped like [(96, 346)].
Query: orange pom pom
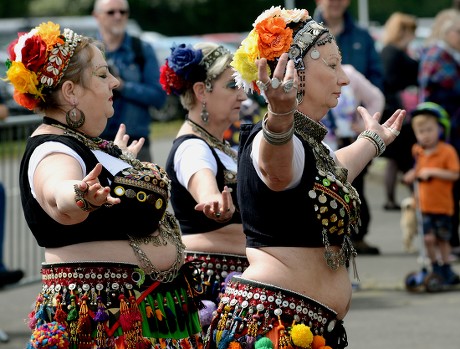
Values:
[(234, 345), (318, 342)]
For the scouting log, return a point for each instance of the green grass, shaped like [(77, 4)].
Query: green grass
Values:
[(165, 129)]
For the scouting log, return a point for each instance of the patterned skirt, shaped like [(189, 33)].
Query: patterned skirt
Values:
[(115, 305), (255, 315)]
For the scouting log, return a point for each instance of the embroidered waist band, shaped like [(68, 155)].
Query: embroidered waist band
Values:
[(251, 310), (218, 265)]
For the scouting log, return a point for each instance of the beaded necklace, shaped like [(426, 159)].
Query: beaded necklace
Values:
[(334, 197), (223, 146), (95, 143)]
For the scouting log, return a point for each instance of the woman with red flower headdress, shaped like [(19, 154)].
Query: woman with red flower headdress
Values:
[(297, 204), (114, 274), (202, 166)]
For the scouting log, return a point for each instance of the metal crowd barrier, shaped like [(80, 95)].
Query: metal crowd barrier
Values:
[(19, 247)]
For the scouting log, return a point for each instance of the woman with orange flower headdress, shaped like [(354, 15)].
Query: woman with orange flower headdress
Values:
[(295, 196), (114, 274)]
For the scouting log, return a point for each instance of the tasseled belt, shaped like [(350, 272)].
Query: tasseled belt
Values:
[(214, 268), (105, 304), (250, 312)]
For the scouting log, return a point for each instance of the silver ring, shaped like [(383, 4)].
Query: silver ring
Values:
[(288, 85), (393, 131), (276, 83), (217, 214), (263, 85)]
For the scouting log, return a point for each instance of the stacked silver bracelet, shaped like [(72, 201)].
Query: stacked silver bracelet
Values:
[(276, 138), (375, 139)]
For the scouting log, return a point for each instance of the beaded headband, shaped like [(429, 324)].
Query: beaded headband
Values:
[(38, 60), (211, 58), (305, 38)]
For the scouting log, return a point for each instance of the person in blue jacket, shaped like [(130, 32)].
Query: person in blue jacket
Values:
[(135, 65), (358, 49)]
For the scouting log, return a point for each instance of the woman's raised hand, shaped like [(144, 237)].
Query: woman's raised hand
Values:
[(281, 90)]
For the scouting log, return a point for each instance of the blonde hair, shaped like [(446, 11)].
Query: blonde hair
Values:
[(217, 67), (396, 25), (443, 22)]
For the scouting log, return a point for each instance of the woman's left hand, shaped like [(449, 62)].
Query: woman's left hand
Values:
[(389, 130), (220, 212), (122, 139)]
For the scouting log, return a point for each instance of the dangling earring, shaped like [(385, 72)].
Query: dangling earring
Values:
[(204, 113), (301, 90), (71, 117)]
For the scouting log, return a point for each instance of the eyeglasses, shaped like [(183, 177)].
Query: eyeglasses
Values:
[(113, 12)]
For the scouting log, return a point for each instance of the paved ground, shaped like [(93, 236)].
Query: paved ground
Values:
[(383, 314)]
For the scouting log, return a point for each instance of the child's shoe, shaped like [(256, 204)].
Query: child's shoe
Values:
[(450, 277)]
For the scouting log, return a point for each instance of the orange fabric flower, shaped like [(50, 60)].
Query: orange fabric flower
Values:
[(274, 38), (26, 100)]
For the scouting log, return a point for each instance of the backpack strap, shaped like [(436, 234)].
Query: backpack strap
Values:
[(136, 44)]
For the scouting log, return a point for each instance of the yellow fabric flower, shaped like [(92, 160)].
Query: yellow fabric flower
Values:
[(23, 80), (50, 33)]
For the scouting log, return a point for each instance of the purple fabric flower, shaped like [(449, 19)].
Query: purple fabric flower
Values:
[(185, 61)]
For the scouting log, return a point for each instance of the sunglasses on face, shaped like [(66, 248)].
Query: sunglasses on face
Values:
[(113, 12)]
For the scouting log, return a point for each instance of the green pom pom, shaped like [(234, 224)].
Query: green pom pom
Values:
[(263, 343)]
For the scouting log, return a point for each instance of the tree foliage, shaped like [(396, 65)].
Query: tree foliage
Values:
[(187, 17)]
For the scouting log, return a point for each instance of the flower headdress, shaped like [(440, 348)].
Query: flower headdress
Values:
[(37, 61), (275, 32), (185, 66)]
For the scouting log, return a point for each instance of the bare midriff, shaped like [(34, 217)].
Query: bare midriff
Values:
[(112, 251), (228, 239), (303, 270)]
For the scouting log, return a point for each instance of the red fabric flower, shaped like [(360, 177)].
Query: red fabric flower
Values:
[(170, 82), (35, 55)]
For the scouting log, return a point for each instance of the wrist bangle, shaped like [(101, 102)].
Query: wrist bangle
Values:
[(375, 139), (281, 114), (276, 138), (80, 200)]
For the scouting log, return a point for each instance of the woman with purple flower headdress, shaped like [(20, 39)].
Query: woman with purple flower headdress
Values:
[(202, 166)]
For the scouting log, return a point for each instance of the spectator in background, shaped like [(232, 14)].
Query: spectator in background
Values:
[(358, 49), (356, 44), (135, 65), (6, 276), (436, 169), (401, 72), (439, 82)]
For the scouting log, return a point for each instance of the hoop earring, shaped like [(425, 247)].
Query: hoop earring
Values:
[(204, 113), (71, 117)]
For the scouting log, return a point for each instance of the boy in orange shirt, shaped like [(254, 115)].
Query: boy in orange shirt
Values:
[(436, 168)]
